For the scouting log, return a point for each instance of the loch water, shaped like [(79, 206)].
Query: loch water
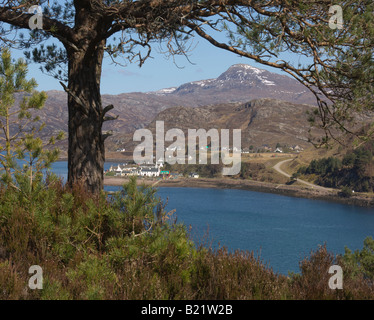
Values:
[(282, 230)]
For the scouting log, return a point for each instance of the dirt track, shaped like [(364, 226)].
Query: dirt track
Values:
[(277, 167)]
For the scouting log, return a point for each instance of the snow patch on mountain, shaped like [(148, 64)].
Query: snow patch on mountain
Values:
[(203, 83), (248, 67), (266, 82), (164, 91)]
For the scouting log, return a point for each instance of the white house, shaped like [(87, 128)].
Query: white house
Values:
[(149, 172), (130, 172), (119, 169), (297, 148), (123, 170), (194, 175)]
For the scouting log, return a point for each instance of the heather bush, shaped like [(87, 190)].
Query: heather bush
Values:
[(85, 240), (312, 282)]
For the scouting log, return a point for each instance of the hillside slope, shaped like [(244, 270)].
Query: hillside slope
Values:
[(240, 83)]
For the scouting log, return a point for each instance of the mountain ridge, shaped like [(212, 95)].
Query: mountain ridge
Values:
[(240, 83)]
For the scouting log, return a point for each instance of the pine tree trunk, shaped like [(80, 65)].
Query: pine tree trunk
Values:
[(86, 154)]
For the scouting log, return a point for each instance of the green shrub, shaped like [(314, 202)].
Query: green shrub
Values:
[(362, 262), (346, 192)]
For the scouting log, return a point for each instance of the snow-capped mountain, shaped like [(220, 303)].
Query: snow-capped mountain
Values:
[(241, 82), (245, 73)]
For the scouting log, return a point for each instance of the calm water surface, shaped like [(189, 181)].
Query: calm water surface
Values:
[(282, 229)]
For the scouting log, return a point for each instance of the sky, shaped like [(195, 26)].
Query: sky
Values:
[(205, 62)]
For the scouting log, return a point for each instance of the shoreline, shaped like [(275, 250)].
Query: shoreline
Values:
[(266, 187), (114, 160)]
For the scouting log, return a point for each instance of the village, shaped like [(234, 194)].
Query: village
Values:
[(146, 170), (153, 170)]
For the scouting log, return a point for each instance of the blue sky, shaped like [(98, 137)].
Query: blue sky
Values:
[(160, 72), (205, 62)]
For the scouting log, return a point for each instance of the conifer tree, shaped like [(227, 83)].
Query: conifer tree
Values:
[(22, 154)]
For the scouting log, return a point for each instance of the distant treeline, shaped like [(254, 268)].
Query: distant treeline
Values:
[(355, 170), (253, 171), (205, 171)]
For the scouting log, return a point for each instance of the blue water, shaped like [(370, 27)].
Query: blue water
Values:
[(283, 230), (61, 168)]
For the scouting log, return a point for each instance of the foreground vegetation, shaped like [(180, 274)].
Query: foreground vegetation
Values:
[(126, 246)]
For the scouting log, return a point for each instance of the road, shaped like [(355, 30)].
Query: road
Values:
[(277, 167)]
